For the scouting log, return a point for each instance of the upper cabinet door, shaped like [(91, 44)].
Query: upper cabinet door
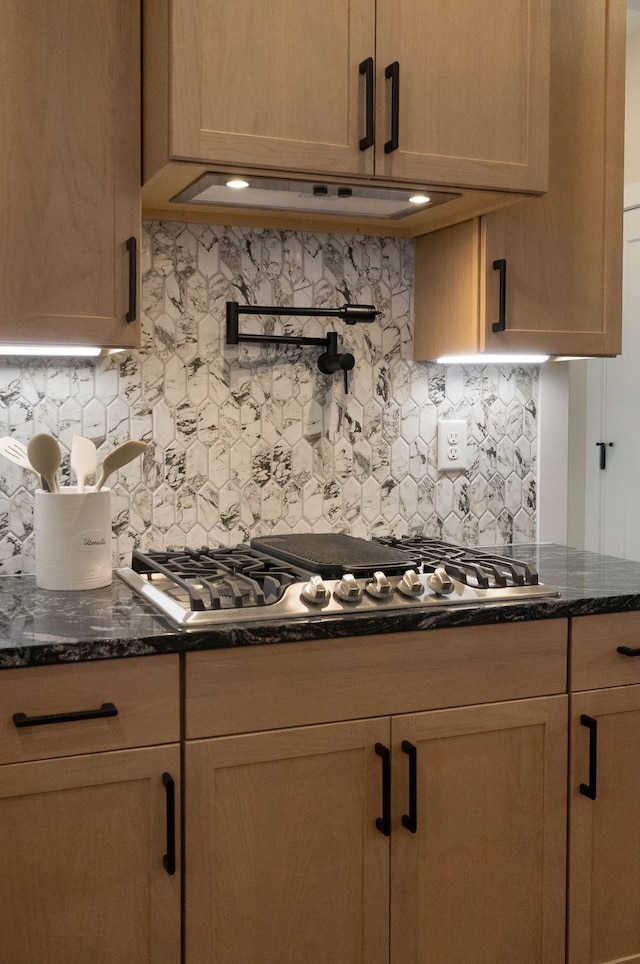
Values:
[(473, 92), (69, 171), (271, 83), (563, 252)]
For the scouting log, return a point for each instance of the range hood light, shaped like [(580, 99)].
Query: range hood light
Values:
[(65, 351), (323, 198), (492, 359)]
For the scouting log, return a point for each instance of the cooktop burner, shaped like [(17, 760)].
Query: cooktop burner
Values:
[(283, 577)]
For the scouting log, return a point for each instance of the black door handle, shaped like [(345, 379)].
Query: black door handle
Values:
[(132, 248), (107, 709), (392, 73), (603, 446), (169, 859), (410, 820), (366, 68), (501, 265), (590, 789), (383, 823), (628, 651)]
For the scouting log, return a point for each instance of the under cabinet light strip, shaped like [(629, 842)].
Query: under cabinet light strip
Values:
[(492, 359), (44, 350)]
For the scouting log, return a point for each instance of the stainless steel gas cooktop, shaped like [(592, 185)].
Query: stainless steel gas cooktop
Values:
[(289, 576)]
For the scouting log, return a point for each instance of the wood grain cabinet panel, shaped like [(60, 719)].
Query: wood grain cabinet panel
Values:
[(604, 871), (284, 861), (69, 171), (595, 661), (482, 876), (144, 691), (562, 253), (474, 91), (82, 876), (293, 684)]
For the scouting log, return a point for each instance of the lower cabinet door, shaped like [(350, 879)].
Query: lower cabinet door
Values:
[(604, 843), (284, 860), (82, 874), (479, 834)]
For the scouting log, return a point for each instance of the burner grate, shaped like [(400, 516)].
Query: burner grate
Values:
[(210, 579), (473, 567)]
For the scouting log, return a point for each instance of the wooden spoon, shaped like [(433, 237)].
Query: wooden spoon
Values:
[(121, 455), (44, 455)]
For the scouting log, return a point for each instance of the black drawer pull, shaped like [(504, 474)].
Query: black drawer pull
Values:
[(410, 820), (169, 859), (590, 789), (383, 823), (366, 68), (107, 709), (501, 265), (132, 248), (628, 651), (392, 73)]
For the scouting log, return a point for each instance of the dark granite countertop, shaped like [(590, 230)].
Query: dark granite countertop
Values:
[(38, 627)]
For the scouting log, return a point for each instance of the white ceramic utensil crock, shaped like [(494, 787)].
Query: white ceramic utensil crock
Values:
[(73, 539)]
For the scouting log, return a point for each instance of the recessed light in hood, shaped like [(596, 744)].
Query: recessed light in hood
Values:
[(318, 197)]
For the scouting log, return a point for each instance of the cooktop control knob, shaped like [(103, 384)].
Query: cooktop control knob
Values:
[(440, 581), (315, 591), (379, 586), (348, 589), (410, 584)]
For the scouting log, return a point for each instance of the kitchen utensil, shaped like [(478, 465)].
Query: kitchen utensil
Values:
[(44, 454), (16, 451), (84, 459), (120, 456)]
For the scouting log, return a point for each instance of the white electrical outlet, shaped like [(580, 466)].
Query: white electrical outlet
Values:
[(452, 445)]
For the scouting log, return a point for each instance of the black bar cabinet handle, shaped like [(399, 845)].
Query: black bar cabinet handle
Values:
[(169, 859), (132, 248), (590, 789), (392, 72), (501, 265), (628, 651), (603, 452), (107, 709), (410, 820), (383, 823), (366, 68)]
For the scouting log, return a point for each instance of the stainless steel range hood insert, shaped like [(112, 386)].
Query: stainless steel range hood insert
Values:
[(316, 197)]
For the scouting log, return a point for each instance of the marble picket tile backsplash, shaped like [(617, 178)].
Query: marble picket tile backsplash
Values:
[(253, 439)]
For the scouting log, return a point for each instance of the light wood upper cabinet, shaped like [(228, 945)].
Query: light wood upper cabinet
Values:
[(271, 84), (281, 87), (562, 253), (482, 876), (69, 171), (82, 875), (474, 91)]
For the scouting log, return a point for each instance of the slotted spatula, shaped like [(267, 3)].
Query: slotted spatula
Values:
[(16, 451)]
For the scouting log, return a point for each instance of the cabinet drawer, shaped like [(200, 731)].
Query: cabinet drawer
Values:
[(293, 684), (595, 661), (144, 692)]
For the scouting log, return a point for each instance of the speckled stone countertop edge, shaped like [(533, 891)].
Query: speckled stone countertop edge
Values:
[(40, 628)]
